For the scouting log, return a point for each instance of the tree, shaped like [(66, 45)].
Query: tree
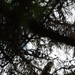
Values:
[(41, 23)]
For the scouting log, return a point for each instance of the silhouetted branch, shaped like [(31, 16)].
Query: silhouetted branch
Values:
[(43, 32)]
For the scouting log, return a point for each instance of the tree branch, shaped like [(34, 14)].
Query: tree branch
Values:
[(44, 32)]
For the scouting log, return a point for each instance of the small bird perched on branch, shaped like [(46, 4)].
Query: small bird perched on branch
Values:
[(47, 68)]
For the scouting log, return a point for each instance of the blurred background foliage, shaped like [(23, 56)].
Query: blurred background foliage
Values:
[(22, 51)]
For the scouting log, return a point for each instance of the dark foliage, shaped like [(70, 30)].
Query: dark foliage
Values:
[(24, 21)]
